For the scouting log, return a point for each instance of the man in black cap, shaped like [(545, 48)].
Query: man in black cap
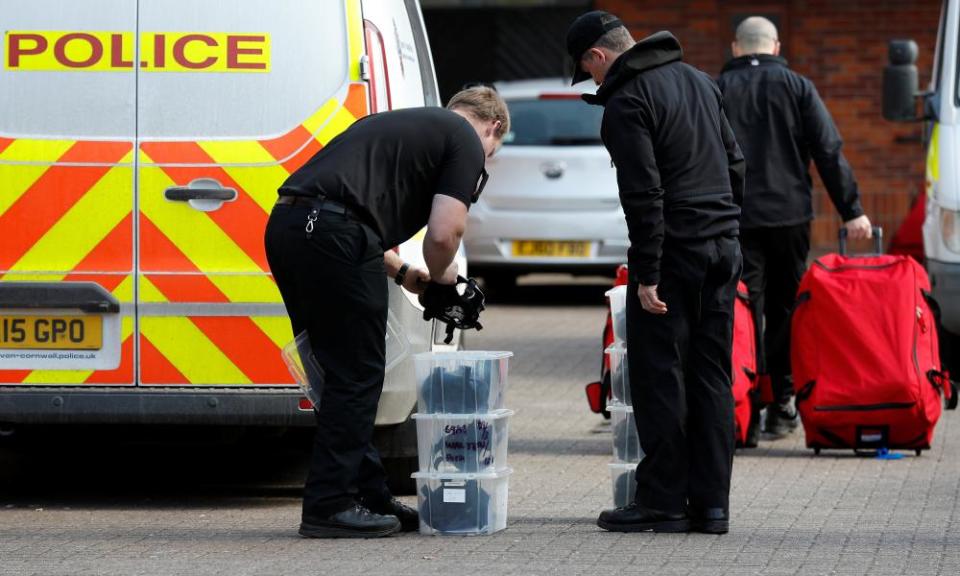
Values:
[(782, 123), (680, 175), (329, 243)]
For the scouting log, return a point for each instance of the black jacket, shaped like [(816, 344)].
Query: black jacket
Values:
[(679, 169), (781, 123)]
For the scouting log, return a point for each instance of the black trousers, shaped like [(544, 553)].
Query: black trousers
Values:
[(334, 286), (774, 261), (681, 385)]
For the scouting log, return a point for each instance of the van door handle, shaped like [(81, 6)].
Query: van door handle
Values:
[(185, 194), (203, 194)]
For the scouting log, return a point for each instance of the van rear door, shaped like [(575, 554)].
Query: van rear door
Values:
[(67, 126), (232, 97)]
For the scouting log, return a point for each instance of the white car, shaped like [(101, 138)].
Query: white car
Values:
[(551, 203)]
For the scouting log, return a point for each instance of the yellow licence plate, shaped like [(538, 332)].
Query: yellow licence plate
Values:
[(551, 249), (51, 332)]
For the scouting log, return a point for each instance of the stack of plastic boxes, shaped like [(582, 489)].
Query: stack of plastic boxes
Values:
[(626, 443), (462, 442)]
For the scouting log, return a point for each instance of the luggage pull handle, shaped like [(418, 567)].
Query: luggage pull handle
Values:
[(877, 241)]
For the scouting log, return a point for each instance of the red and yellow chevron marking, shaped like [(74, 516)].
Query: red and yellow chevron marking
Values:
[(70, 204), (66, 212), (54, 215), (234, 349), (189, 256)]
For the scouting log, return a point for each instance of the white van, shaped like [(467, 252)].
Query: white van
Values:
[(939, 107), (141, 146)]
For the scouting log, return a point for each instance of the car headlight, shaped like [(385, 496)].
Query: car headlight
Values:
[(950, 229)]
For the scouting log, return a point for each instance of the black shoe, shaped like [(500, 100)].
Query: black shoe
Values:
[(753, 433), (753, 428), (633, 518), (354, 522), (409, 518), (781, 420), (710, 520)]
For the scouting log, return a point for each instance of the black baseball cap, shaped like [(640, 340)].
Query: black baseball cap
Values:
[(584, 33)]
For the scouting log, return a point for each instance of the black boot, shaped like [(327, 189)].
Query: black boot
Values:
[(409, 518), (781, 420), (354, 522), (753, 429), (710, 520), (634, 518)]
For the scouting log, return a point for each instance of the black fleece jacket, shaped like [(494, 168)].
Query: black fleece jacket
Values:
[(679, 169), (781, 123)]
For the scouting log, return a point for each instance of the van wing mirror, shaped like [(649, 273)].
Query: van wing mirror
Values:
[(900, 84)]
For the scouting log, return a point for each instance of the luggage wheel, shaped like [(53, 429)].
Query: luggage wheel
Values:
[(816, 451), (918, 451)]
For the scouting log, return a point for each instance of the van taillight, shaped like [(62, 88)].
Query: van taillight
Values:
[(379, 75)]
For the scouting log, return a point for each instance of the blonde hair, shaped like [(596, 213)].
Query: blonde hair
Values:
[(485, 104)]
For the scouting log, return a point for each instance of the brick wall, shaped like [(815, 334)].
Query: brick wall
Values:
[(839, 44)]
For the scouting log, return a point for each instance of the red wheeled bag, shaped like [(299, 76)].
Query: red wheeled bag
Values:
[(744, 369), (865, 353)]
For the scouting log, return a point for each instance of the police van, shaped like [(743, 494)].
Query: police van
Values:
[(141, 146)]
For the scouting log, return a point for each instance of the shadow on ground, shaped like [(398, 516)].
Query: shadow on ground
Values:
[(803, 452), (154, 466)]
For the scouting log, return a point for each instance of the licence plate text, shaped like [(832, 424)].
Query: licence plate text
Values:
[(51, 332), (551, 249)]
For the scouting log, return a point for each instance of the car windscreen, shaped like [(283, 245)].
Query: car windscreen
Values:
[(553, 122)]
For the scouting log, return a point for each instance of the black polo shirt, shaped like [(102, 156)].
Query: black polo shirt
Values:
[(388, 167)]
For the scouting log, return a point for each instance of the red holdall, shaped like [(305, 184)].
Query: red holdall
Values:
[(599, 392), (744, 368), (865, 354)]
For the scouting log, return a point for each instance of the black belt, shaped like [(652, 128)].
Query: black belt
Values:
[(317, 203)]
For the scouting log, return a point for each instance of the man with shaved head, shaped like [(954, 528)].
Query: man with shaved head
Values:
[(781, 124)]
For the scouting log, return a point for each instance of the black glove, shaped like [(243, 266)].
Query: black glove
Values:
[(458, 305)]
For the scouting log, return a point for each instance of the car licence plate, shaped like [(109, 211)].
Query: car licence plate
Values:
[(551, 249), (51, 332)]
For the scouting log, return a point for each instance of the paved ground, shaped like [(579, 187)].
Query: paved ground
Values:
[(210, 511)]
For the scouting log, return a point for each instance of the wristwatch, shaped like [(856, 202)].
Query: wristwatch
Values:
[(401, 273)]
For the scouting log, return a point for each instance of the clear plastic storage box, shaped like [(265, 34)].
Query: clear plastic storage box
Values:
[(626, 442), (306, 370), (462, 504), (624, 475), (463, 443), (303, 366), (618, 312), (398, 345), (463, 382), (619, 375)]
